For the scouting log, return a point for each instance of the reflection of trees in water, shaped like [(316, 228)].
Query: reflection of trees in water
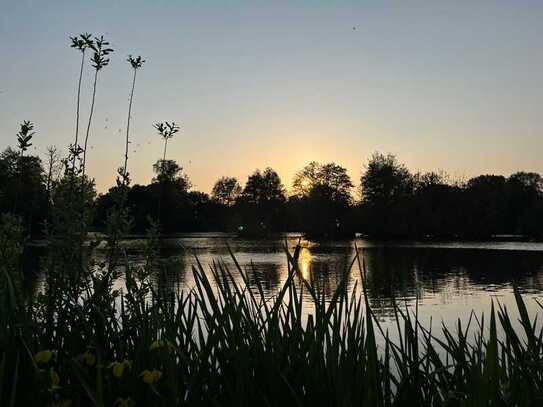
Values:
[(388, 275), (268, 274), (405, 273), (325, 270), (168, 273), (401, 273), (32, 265)]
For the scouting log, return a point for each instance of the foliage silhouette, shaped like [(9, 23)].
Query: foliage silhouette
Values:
[(24, 136), (322, 199), (261, 203), (226, 191), (23, 189), (166, 130)]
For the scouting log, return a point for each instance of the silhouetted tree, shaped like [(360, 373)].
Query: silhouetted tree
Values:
[(169, 189), (140, 201), (22, 180), (203, 211), (261, 202), (220, 209), (169, 172), (226, 190), (263, 187), (322, 198), (384, 185), (485, 206), (332, 176), (385, 180), (524, 194), (435, 207), (142, 205)]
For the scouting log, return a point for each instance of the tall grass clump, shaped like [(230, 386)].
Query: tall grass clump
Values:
[(226, 343)]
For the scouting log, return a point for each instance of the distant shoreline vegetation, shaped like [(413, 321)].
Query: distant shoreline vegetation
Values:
[(394, 203)]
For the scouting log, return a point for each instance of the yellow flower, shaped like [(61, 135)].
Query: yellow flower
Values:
[(44, 356), (158, 344), (55, 379), (87, 358), (119, 367), (170, 346), (151, 376), (127, 402)]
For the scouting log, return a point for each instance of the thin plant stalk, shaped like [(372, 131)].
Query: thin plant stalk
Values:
[(89, 122), (127, 141), (81, 42), (166, 130), (136, 63), (78, 100), (77, 109), (164, 154), (99, 61)]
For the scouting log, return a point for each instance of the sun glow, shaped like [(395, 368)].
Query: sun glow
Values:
[(306, 183)]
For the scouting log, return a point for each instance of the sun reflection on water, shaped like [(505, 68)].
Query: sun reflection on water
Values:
[(304, 263)]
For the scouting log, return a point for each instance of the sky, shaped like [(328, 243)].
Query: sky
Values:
[(455, 86)]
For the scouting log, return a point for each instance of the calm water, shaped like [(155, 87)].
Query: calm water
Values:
[(449, 279)]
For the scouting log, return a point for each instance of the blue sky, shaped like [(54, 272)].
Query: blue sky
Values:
[(456, 85)]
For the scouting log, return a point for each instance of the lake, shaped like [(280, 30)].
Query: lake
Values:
[(449, 279)]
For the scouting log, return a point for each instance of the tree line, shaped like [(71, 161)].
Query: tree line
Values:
[(388, 202)]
